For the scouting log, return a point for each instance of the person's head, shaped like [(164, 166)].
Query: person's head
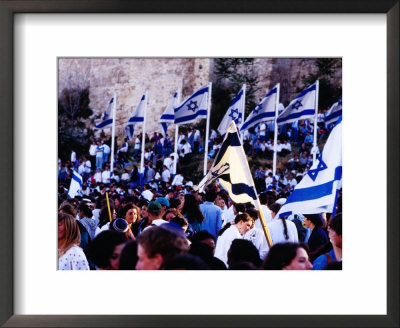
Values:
[(171, 213), (287, 256), (84, 211), (275, 207), (153, 210), (67, 208), (180, 221), (156, 245), (243, 250), (105, 249), (211, 195), (128, 257), (221, 203), (131, 213), (335, 230), (68, 233), (312, 221), (185, 262), (164, 202), (243, 222), (205, 237)]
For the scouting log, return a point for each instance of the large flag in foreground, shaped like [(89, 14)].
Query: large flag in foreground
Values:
[(334, 112), (168, 116), (76, 185), (137, 117), (234, 112), (300, 108), (316, 192), (264, 111), (196, 106), (106, 120), (231, 168)]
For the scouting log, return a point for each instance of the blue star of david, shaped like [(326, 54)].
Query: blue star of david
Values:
[(233, 112), (192, 106), (257, 109), (321, 166), (297, 105)]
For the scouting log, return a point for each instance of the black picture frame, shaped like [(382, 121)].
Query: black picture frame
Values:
[(11, 7)]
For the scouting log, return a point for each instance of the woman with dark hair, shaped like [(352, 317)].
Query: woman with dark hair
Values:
[(131, 214), (70, 255), (104, 218), (281, 230), (230, 232), (191, 211), (105, 250), (318, 236), (287, 256)]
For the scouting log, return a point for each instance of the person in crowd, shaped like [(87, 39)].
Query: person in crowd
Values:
[(318, 236), (212, 214), (70, 255), (243, 223), (128, 257), (287, 256), (192, 212), (153, 217), (256, 235), (281, 230), (86, 219), (335, 238), (243, 251), (158, 244)]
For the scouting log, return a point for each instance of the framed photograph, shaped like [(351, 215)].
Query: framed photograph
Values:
[(34, 35)]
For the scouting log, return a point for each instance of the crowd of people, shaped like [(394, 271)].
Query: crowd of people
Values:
[(151, 220)]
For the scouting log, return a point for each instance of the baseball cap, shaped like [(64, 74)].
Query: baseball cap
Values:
[(154, 207)]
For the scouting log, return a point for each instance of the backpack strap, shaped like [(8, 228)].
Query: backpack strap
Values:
[(328, 257)]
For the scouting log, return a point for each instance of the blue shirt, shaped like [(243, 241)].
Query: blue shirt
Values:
[(212, 218), (321, 262)]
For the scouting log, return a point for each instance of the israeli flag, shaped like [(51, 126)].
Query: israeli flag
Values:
[(234, 113), (231, 168), (334, 112), (264, 111), (137, 117), (300, 108), (168, 116), (76, 185), (106, 120), (317, 191), (196, 106)]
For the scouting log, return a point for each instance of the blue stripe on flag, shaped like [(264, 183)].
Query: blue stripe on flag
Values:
[(304, 92), (271, 92), (167, 117), (333, 115), (297, 115), (231, 140), (239, 188), (104, 123), (136, 119), (74, 177), (257, 117), (191, 117)]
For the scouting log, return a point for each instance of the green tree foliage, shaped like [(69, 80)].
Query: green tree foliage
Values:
[(73, 115), (230, 75), (328, 94)]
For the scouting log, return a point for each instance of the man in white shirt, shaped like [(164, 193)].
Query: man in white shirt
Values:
[(146, 193), (92, 153), (106, 176), (262, 131), (107, 151), (178, 180), (186, 153), (166, 175), (196, 140), (97, 176), (265, 198)]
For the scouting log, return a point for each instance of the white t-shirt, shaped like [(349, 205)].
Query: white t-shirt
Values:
[(73, 259), (224, 243), (276, 230), (257, 237), (105, 176)]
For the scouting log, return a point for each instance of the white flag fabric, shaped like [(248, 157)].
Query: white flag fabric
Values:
[(316, 192), (196, 106), (234, 113), (168, 116), (106, 120), (137, 117), (300, 108), (76, 185), (334, 112), (231, 168), (264, 111)]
